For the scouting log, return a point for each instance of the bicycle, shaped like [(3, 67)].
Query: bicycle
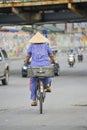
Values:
[(41, 94), (41, 73)]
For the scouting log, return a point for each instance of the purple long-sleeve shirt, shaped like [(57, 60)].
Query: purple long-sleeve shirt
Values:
[(39, 53)]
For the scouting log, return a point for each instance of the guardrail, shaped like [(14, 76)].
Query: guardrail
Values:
[(14, 1), (60, 1), (18, 3)]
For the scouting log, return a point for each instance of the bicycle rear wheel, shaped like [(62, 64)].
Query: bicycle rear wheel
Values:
[(41, 103)]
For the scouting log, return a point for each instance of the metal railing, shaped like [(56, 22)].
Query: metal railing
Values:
[(60, 1), (10, 1)]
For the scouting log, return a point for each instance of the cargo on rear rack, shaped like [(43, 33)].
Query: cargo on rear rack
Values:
[(42, 71)]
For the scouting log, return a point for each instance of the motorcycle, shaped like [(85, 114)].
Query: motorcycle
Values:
[(71, 60), (80, 54), (80, 58)]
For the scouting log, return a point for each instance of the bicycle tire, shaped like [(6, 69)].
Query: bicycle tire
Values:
[(41, 103)]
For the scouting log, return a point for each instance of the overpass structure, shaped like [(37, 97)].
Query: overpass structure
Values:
[(42, 11)]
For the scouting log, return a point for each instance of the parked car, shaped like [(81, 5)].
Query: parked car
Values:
[(4, 67), (56, 69), (24, 70)]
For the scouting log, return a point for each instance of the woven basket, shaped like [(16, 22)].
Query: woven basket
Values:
[(46, 71)]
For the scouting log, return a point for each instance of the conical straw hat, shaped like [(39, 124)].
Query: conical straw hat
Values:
[(39, 38)]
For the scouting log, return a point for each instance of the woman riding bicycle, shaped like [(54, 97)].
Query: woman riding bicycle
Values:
[(40, 52)]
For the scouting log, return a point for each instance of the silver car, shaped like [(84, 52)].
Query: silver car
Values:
[(4, 67)]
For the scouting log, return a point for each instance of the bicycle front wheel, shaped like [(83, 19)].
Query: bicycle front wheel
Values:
[(41, 103)]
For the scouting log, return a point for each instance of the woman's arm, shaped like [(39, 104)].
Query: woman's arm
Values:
[(27, 59), (52, 58)]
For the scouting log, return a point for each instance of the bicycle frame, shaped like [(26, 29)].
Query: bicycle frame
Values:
[(41, 94)]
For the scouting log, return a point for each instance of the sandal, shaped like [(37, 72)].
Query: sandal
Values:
[(48, 89), (34, 103)]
